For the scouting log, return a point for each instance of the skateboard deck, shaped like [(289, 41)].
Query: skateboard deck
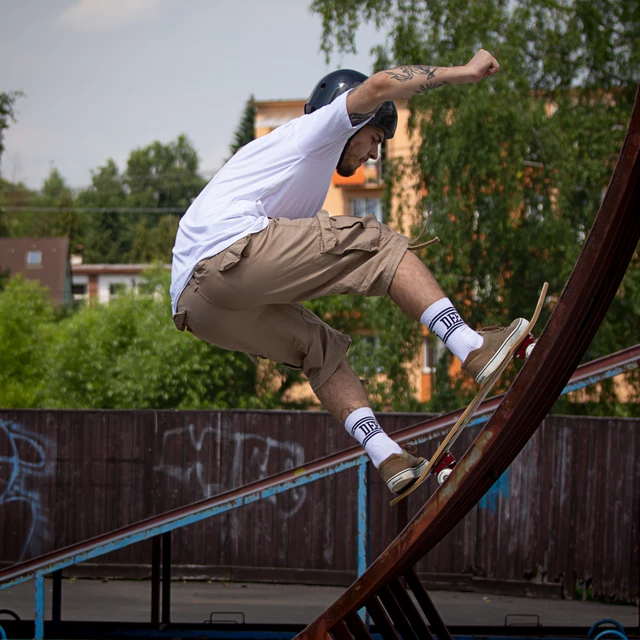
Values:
[(443, 450)]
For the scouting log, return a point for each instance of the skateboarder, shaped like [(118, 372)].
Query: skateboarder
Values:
[(255, 243)]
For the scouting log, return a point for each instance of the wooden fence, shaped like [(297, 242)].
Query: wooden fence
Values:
[(566, 512)]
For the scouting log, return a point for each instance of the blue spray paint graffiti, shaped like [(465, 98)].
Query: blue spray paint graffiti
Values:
[(502, 487), (25, 460)]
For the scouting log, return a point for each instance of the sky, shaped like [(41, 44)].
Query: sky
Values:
[(103, 77)]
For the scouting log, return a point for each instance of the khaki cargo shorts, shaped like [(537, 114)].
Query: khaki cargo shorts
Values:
[(247, 297)]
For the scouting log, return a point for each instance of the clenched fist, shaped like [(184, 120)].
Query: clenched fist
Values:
[(482, 65)]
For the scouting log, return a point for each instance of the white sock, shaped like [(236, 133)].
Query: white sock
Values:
[(442, 319), (363, 426)]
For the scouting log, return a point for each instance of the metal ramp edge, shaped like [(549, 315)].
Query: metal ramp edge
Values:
[(384, 588)]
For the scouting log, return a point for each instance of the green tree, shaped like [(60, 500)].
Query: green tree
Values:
[(153, 242), (163, 175), (13, 195), (106, 235), (245, 131), (125, 355), (160, 176), (515, 166), (48, 213), (56, 194), (26, 332), (5, 274), (129, 355), (7, 113)]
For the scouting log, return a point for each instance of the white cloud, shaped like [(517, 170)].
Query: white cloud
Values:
[(102, 15)]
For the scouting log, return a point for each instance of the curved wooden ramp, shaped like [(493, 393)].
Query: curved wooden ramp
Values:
[(384, 588)]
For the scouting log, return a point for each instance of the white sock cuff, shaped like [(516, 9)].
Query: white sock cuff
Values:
[(358, 414), (363, 426), (442, 319), (432, 312)]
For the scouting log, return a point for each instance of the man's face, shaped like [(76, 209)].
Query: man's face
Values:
[(362, 147)]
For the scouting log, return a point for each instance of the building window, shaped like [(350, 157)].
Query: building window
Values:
[(34, 258), (362, 206), (80, 292), (117, 289)]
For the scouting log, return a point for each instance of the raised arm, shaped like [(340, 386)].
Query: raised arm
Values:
[(412, 80)]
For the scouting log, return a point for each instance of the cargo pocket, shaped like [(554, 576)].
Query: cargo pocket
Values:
[(230, 257), (348, 233), (180, 319), (201, 270)]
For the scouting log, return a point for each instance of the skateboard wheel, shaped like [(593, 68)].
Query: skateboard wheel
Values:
[(523, 350), (443, 475), (529, 349)]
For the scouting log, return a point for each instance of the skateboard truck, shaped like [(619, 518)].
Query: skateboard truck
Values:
[(524, 350), (444, 468)]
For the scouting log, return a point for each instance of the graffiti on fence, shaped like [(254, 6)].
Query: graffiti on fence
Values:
[(24, 460), (248, 460), (500, 489)]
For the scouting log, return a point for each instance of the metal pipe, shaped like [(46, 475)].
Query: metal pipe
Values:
[(156, 555), (363, 515), (166, 577), (363, 524), (39, 607)]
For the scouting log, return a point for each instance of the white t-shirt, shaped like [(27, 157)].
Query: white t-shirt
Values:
[(285, 174)]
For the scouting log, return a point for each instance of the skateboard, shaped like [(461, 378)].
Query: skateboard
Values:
[(443, 461)]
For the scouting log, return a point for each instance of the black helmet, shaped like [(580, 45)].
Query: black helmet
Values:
[(336, 83)]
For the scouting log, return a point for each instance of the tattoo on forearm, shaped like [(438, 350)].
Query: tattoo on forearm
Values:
[(408, 72), (429, 85), (359, 118)]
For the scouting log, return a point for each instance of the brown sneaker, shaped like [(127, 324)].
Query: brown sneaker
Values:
[(401, 470), (482, 362)]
